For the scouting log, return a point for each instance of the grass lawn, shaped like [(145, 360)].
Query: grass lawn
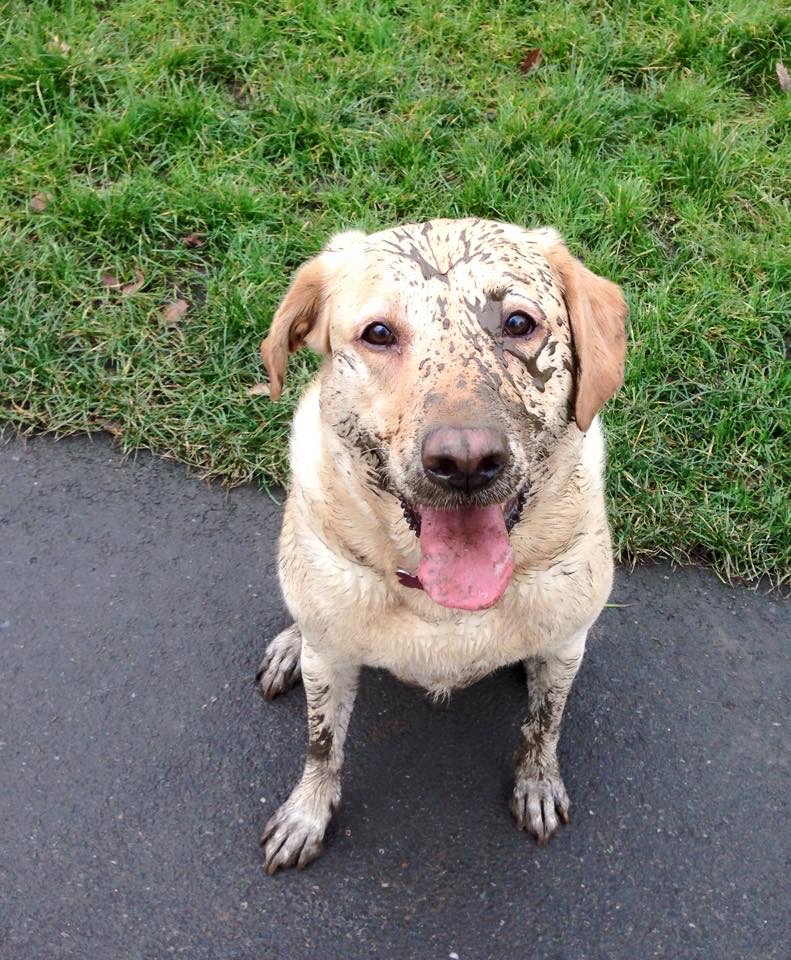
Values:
[(655, 135)]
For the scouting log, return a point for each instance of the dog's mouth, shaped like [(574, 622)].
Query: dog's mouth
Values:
[(466, 559)]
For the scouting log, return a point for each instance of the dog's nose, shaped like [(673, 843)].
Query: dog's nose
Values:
[(464, 458)]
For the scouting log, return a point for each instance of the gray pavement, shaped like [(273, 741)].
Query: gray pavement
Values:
[(138, 764)]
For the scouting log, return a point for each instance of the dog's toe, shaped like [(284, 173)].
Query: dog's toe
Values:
[(280, 669), (539, 805), (291, 839)]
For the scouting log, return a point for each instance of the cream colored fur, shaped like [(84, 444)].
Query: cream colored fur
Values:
[(344, 534), (377, 623)]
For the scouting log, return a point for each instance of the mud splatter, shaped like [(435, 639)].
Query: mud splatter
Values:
[(540, 377), (320, 746), (488, 314)]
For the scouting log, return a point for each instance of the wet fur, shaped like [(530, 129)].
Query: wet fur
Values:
[(355, 450)]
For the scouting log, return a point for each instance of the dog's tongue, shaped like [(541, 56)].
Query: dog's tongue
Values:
[(466, 560)]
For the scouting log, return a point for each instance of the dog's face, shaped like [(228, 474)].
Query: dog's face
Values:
[(460, 353)]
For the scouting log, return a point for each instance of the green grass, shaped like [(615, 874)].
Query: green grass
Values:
[(654, 135)]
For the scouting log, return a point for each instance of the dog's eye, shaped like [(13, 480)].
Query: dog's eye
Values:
[(379, 335), (518, 324)]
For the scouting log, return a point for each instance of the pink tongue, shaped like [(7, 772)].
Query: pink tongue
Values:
[(466, 560)]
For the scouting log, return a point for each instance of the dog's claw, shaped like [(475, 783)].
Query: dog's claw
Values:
[(281, 668), (292, 839), (537, 803)]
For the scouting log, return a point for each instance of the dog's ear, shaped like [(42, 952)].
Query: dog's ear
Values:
[(597, 312), (302, 319)]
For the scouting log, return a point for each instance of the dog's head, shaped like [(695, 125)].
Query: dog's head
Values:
[(459, 354)]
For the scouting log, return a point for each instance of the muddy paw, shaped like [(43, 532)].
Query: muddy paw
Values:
[(539, 803), (293, 837), (280, 669)]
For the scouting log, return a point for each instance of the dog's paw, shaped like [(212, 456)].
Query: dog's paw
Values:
[(539, 803), (293, 837), (280, 669)]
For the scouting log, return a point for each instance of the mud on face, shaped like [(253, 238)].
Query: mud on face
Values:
[(450, 324)]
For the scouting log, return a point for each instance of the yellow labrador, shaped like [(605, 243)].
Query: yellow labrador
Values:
[(446, 515)]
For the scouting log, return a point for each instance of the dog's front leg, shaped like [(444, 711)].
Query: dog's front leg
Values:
[(539, 795), (294, 834)]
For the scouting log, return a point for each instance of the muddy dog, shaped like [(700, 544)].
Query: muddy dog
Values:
[(446, 515)]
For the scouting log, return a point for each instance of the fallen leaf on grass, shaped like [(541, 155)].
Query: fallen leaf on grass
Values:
[(258, 390), (782, 76), (129, 288), (112, 282), (173, 312), (56, 44), (531, 60), (40, 201), (194, 240), (112, 426)]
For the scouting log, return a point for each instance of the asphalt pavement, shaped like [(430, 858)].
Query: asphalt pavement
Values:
[(138, 764)]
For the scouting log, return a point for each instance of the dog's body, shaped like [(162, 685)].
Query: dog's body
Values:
[(341, 546), (451, 432)]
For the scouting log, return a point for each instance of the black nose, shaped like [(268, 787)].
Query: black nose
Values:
[(464, 458)]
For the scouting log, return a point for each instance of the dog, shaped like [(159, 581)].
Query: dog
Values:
[(446, 514)]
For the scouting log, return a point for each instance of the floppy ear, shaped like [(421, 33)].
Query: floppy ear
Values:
[(597, 313), (302, 319)]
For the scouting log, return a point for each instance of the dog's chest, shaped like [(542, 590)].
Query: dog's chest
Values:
[(439, 666), (438, 655), (370, 621)]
